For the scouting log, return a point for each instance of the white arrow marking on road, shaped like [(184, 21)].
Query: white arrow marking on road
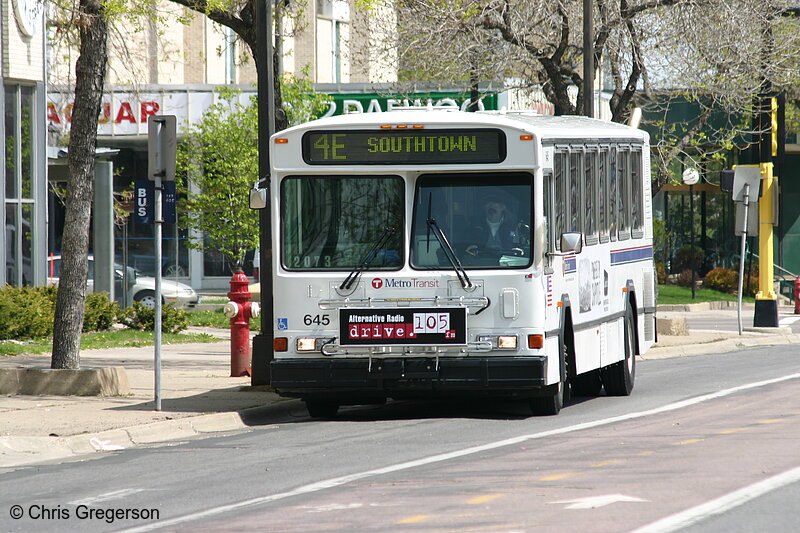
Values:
[(115, 495), (593, 502)]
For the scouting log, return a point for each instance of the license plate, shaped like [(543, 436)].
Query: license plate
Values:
[(405, 326)]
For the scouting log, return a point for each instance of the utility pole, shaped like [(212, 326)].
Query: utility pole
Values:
[(263, 349), (588, 59)]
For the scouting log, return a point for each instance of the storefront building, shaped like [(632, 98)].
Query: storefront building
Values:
[(23, 244)]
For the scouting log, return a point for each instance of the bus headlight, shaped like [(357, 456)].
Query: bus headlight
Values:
[(306, 344), (507, 342), (500, 342)]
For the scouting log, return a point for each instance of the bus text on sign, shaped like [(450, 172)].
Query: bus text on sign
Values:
[(409, 146)]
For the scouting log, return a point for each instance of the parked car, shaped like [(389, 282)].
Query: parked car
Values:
[(142, 288)]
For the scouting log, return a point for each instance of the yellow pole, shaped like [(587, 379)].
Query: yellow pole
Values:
[(766, 289)]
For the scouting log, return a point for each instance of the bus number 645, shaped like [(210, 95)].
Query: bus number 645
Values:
[(319, 320)]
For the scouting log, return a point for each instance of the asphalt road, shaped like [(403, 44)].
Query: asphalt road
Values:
[(706, 442)]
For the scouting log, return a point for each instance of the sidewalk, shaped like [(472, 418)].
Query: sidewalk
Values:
[(199, 397)]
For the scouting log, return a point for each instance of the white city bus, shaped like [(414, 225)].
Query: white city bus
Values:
[(434, 253)]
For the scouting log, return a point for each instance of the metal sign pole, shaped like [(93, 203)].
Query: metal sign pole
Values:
[(161, 144), (741, 257), (157, 324)]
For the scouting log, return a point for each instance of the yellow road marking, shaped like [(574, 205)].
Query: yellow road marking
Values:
[(556, 477), (416, 519), (687, 441), (770, 421), (483, 499), (734, 430), (646, 452), (608, 463)]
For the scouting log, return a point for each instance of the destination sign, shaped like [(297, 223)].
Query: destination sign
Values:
[(426, 147)]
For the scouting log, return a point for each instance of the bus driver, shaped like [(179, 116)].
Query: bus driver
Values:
[(494, 232)]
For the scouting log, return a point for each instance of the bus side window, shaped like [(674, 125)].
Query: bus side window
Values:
[(590, 195), (612, 193), (576, 206), (637, 225), (547, 207), (602, 193), (559, 186), (623, 188)]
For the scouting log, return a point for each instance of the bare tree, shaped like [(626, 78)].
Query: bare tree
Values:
[(716, 54), (239, 15), (90, 73)]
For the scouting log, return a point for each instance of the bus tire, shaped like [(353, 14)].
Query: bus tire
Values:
[(618, 378), (587, 384), (321, 408), (555, 396), (550, 403)]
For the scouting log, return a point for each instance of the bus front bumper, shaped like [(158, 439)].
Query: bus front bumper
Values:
[(395, 377)]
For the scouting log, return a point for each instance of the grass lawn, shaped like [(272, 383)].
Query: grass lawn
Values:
[(672, 294), (104, 339), (129, 337), (216, 319)]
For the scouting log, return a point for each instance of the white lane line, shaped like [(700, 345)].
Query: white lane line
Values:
[(115, 495), (343, 480), (720, 505), (789, 320)]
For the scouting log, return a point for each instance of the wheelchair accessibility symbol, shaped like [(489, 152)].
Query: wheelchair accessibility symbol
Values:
[(283, 323)]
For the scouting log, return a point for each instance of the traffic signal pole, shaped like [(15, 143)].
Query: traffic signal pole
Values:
[(766, 311)]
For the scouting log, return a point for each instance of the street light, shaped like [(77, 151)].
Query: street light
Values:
[(588, 59), (690, 177)]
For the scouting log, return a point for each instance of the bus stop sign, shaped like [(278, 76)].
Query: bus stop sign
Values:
[(144, 202)]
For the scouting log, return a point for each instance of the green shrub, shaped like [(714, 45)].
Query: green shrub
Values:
[(722, 280), (143, 318), (101, 313), (750, 289), (26, 312), (727, 281), (661, 273)]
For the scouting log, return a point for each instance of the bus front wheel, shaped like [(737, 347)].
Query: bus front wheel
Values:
[(618, 378), (556, 395), (551, 403)]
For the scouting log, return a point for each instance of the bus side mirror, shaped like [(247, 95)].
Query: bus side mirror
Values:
[(258, 198), (571, 242)]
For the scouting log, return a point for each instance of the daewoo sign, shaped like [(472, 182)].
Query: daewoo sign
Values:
[(413, 283)]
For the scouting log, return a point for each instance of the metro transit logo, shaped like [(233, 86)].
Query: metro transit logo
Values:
[(413, 283)]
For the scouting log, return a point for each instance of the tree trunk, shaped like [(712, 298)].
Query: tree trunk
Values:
[(89, 77)]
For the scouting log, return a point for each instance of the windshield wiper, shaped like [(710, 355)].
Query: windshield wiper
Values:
[(367, 258), (449, 253)]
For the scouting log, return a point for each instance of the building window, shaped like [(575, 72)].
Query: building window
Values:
[(230, 56), (20, 158), (333, 17)]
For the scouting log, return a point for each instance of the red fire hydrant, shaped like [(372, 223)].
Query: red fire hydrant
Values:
[(796, 294), (239, 310)]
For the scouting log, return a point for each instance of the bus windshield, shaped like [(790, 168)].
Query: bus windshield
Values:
[(333, 222), (485, 217)]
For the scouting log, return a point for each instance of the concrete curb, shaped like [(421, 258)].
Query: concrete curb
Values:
[(730, 344), (107, 381), (18, 451)]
